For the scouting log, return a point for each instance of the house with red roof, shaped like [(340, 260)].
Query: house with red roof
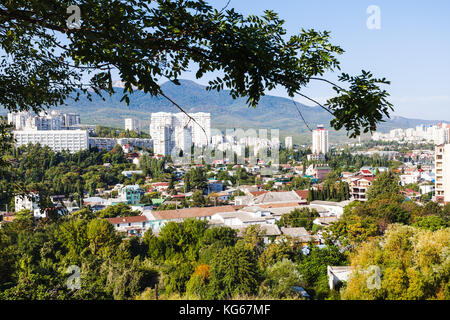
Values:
[(359, 187), (134, 225)]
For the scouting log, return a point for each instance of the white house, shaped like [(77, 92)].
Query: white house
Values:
[(337, 275), (427, 188), (332, 208), (29, 202), (134, 225)]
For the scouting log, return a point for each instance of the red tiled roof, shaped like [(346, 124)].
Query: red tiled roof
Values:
[(281, 205), (302, 193), (160, 184), (258, 193), (192, 212), (127, 219)]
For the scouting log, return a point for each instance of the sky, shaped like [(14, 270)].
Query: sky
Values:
[(411, 48)]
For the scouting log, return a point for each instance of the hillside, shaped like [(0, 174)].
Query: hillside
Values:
[(272, 111)]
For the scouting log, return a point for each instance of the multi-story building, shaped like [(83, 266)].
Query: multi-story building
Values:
[(55, 120), (57, 140), (109, 143), (288, 143), (131, 194), (320, 140), (177, 130), (438, 134), (359, 187), (162, 139), (28, 202), (442, 171), (102, 143), (132, 125)]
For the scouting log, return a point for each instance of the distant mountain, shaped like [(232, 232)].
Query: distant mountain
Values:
[(226, 112)]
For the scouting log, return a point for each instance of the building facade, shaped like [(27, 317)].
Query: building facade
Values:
[(57, 140), (132, 125), (171, 131), (288, 143), (55, 120), (320, 140), (442, 173)]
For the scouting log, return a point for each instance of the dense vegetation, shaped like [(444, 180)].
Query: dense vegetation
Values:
[(186, 259), (37, 168)]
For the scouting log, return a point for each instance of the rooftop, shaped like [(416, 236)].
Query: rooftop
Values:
[(192, 212)]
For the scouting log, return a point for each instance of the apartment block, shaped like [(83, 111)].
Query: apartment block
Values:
[(177, 130), (57, 140), (132, 125), (288, 143), (442, 173), (320, 140)]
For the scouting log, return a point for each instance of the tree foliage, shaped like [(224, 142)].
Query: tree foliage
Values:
[(414, 265), (44, 61)]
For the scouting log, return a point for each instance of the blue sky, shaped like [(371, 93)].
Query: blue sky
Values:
[(411, 49)]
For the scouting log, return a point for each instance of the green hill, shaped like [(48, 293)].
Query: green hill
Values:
[(272, 112)]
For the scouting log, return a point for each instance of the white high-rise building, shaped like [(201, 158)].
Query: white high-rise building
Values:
[(162, 142), (442, 171), (183, 138), (320, 140), (132, 125), (288, 143), (177, 130), (54, 120), (57, 140)]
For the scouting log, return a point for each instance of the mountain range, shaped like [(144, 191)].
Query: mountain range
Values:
[(272, 112)]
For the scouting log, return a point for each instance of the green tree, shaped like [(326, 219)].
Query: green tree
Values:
[(51, 60), (101, 235), (299, 218), (117, 210), (198, 200), (234, 271), (413, 264), (281, 278), (385, 183)]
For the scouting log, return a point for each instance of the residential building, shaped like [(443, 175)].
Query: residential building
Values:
[(179, 131), (55, 120), (158, 219), (133, 226), (320, 140), (132, 125), (57, 140), (359, 187), (318, 171), (337, 275), (102, 143), (438, 134), (28, 202), (442, 171), (109, 143), (288, 143), (131, 193)]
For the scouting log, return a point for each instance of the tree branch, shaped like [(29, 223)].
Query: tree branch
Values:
[(320, 105)]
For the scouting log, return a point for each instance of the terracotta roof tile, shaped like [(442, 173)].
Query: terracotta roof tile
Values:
[(131, 219), (192, 212)]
